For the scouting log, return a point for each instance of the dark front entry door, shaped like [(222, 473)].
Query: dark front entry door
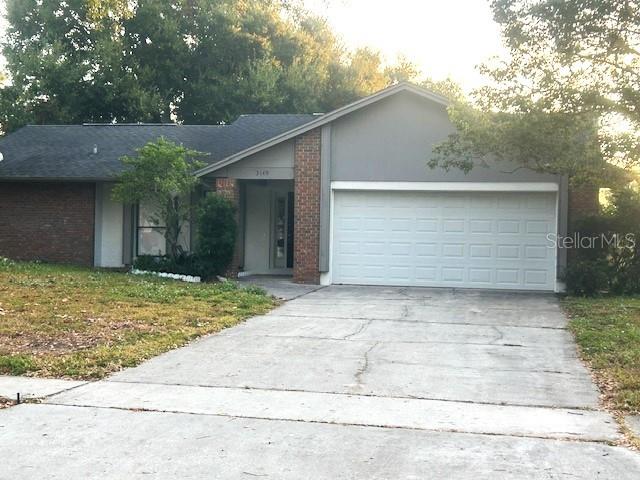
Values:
[(290, 211)]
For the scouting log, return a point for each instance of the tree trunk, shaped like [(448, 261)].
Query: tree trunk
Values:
[(172, 231)]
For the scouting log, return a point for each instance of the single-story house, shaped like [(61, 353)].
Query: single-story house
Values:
[(344, 197)]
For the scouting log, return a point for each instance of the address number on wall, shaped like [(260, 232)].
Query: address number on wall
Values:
[(262, 173)]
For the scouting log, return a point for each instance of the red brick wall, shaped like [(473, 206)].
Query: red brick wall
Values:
[(47, 221), (307, 208), (229, 188)]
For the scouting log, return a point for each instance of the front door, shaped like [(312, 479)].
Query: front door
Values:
[(268, 227), (290, 224), (282, 230), (279, 231)]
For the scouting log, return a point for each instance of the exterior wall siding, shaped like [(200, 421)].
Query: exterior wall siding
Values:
[(109, 233), (307, 207), (275, 163), (52, 222), (392, 140)]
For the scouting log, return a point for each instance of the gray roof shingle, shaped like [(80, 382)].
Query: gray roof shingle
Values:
[(66, 151)]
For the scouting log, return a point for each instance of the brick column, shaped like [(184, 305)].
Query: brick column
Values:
[(229, 189), (307, 208)]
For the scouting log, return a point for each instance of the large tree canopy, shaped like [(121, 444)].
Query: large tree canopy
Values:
[(567, 98), (196, 61)]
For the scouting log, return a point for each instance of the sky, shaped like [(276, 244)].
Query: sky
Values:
[(443, 38)]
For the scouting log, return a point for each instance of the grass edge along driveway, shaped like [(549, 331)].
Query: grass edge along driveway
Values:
[(607, 331), (82, 323)]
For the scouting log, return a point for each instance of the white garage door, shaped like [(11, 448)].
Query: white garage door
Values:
[(453, 239)]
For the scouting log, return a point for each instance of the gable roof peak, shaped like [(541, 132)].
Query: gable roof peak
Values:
[(328, 118)]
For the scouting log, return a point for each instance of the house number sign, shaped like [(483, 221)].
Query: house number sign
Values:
[(262, 172)]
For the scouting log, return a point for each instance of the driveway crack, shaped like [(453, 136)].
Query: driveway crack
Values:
[(360, 329), (499, 334), (365, 364)]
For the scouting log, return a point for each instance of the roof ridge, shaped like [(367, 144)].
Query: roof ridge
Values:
[(128, 124), (122, 125), (272, 114)]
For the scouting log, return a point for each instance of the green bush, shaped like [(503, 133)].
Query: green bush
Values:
[(216, 238), (183, 264), (610, 265), (588, 277)]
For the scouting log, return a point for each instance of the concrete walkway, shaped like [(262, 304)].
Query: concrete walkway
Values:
[(341, 382), (280, 286), (30, 388)]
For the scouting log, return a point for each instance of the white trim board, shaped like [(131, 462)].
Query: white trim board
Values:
[(448, 186)]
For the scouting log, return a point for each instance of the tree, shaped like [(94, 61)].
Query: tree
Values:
[(566, 101), (98, 10), (194, 61), (161, 176)]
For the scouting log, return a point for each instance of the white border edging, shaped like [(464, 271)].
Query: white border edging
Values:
[(448, 186), (173, 276)]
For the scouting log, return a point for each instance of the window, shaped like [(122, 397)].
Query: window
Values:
[(150, 234)]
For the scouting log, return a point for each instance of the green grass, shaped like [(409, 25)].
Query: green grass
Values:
[(607, 330), (65, 321)]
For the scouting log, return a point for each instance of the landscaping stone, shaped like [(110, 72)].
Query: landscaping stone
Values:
[(173, 276)]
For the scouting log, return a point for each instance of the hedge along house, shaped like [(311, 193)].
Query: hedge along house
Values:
[(345, 197)]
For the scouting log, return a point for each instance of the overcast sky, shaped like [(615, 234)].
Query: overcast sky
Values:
[(445, 38)]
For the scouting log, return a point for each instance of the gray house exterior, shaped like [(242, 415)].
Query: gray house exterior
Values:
[(345, 197)]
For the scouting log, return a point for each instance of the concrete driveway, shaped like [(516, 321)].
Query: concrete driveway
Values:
[(341, 382)]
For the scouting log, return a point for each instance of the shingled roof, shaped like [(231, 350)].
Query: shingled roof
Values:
[(66, 151)]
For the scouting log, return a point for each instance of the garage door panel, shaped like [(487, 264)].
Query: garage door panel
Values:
[(485, 240), (509, 227), (480, 226)]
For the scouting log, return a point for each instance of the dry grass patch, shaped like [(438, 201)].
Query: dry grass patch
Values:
[(607, 330), (63, 321)]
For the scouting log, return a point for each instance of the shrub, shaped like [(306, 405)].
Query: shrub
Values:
[(588, 277), (183, 264), (609, 265), (216, 239)]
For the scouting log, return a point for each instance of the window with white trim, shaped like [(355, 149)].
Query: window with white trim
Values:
[(150, 233)]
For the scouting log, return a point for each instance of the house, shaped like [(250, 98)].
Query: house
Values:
[(345, 197)]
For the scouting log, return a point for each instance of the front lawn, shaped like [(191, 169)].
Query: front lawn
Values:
[(64, 321), (607, 330)]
